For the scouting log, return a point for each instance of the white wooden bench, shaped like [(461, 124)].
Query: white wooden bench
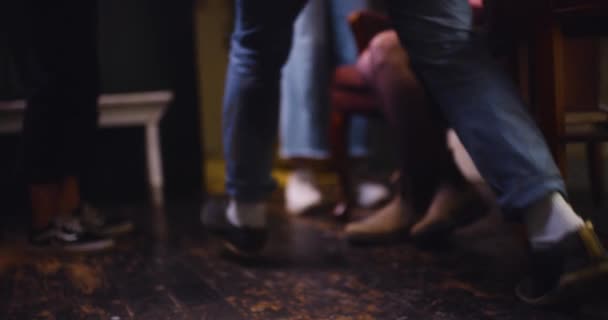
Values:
[(116, 110)]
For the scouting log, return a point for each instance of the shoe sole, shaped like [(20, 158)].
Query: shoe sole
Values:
[(378, 238), (80, 248), (214, 222), (573, 286), (240, 253), (117, 230), (436, 233), (220, 234), (90, 247), (317, 209), (440, 229)]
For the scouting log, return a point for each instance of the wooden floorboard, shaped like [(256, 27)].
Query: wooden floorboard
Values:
[(171, 269)]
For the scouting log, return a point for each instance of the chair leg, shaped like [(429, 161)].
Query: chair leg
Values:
[(155, 164), (339, 148), (596, 171)]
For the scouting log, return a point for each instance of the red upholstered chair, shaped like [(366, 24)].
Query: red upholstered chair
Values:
[(350, 94)]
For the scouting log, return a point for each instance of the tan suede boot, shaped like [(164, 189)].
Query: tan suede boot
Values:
[(388, 223)]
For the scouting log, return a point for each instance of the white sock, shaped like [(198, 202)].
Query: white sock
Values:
[(252, 214), (301, 192), (370, 193), (549, 220)]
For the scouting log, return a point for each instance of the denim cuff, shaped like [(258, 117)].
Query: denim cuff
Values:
[(515, 202)]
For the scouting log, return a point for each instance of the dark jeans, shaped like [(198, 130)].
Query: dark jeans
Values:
[(59, 46), (475, 97)]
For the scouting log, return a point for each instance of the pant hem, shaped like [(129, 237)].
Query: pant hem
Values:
[(528, 193)]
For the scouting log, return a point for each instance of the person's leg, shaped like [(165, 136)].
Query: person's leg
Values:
[(304, 106), (259, 47), (46, 112), (304, 86), (65, 54), (484, 108), (431, 182), (69, 196), (428, 165), (322, 39), (477, 99), (44, 206), (41, 137), (77, 93), (60, 115)]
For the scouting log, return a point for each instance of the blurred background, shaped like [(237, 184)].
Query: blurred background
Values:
[(150, 45), (181, 47)]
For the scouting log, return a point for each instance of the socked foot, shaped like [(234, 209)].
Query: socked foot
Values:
[(241, 227)]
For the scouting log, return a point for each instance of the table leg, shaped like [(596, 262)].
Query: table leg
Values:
[(155, 165)]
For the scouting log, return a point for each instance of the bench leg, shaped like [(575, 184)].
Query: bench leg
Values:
[(155, 165)]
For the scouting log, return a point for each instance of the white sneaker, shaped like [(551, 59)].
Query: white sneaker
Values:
[(301, 192), (371, 194)]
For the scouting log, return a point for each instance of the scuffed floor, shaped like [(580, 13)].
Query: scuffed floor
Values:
[(170, 269)]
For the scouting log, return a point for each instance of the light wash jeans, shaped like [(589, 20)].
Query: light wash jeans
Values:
[(322, 39), (475, 96)]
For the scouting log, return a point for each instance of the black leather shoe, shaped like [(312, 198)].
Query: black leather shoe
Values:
[(576, 268), (244, 241)]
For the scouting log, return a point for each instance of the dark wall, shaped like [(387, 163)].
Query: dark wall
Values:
[(144, 45)]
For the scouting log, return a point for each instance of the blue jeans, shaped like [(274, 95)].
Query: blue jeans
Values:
[(475, 96), (322, 39)]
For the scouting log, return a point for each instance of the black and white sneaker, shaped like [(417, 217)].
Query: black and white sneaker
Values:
[(96, 222), (69, 236)]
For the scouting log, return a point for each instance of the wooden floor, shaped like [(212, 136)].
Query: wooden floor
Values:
[(171, 269)]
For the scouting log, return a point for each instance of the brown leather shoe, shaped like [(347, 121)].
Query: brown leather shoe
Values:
[(388, 223)]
